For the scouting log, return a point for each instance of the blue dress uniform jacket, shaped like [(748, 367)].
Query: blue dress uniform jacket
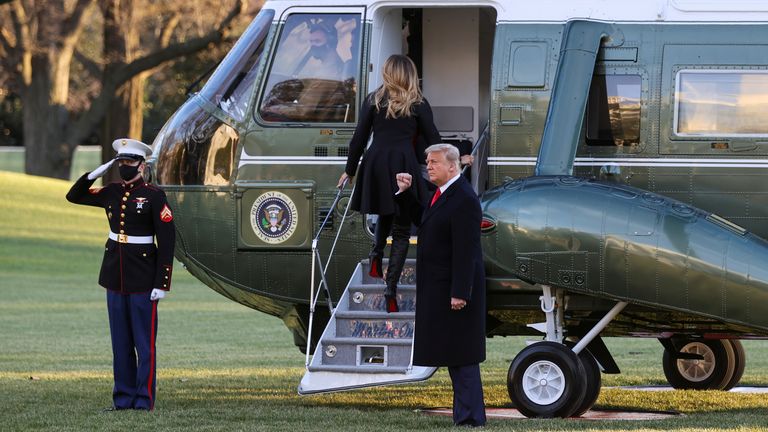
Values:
[(450, 264), (136, 209)]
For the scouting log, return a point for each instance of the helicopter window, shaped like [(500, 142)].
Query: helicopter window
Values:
[(613, 110), (231, 86), (315, 70), (196, 148), (722, 103)]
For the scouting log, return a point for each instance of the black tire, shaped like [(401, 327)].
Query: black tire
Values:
[(740, 362), (711, 373), (546, 380), (594, 382)]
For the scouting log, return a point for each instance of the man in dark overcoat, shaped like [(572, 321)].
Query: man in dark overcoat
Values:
[(450, 281), (136, 268)]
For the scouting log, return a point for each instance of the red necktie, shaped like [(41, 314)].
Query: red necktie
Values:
[(435, 197)]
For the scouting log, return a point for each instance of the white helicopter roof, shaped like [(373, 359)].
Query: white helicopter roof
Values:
[(563, 10)]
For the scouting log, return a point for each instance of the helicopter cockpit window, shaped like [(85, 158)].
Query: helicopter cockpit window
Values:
[(315, 70), (613, 110), (231, 86), (722, 103)]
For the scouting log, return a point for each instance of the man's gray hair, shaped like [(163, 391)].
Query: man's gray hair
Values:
[(450, 150)]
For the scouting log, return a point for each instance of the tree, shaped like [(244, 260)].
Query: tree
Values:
[(38, 47)]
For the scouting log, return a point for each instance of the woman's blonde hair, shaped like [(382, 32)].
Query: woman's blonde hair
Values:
[(400, 90)]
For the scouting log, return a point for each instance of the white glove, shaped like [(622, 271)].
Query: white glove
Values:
[(98, 172), (157, 294)]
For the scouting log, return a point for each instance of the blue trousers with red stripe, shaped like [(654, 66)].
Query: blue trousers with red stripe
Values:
[(133, 326)]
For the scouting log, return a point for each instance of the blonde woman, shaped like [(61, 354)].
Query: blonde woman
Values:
[(396, 113)]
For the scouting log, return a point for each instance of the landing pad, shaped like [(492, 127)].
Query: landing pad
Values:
[(511, 413)]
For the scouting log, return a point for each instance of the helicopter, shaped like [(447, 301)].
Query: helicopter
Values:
[(620, 154)]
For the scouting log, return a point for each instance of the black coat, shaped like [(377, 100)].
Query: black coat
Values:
[(137, 209), (392, 151), (449, 264)]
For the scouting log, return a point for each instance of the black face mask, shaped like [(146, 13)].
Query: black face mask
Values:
[(318, 52), (128, 172)]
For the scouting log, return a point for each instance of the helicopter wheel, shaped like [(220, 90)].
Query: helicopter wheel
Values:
[(740, 361), (712, 372), (594, 382), (546, 380)]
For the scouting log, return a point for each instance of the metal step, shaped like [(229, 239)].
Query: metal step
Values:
[(365, 352), (374, 341), (407, 277), (370, 324), (371, 298), (356, 369), (363, 345), (375, 315)]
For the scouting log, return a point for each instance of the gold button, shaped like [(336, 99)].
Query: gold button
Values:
[(164, 285), (127, 194), (122, 232), (122, 222), (125, 199), (122, 207), (106, 248), (138, 211), (122, 214), (143, 254), (166, 277)]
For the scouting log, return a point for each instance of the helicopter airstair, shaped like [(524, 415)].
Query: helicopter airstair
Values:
[(363, 345)]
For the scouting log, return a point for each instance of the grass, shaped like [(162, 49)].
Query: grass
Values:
[(85, 158), (223, 366)]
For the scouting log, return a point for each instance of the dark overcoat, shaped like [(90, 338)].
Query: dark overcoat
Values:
[(449, 264), (392, 151)]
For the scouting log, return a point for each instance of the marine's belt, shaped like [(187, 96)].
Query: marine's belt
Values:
[(123, 238)]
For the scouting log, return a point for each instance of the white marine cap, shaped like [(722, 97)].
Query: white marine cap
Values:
[(132, 149)]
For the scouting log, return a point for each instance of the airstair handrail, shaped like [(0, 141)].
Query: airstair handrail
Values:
[(317, 261), (478, 152)]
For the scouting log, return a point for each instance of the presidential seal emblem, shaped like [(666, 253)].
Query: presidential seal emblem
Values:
[(274, 217)]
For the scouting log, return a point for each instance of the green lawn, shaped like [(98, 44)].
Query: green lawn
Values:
[(85, 159), (222, 366)]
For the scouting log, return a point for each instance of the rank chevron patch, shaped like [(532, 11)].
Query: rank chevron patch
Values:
[(165, 214)]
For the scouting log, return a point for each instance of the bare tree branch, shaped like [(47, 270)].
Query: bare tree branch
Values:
[(93, 68), (112, 81), (9, 48), (158, 57), (168, 28), (73, 25), (23, 41)]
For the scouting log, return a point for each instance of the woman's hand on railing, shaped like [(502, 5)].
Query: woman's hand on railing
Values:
[(467, 159)]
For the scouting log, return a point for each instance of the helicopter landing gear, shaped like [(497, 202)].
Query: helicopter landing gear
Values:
[(703, 364), (546, 379), (594, 381), (550, 379)]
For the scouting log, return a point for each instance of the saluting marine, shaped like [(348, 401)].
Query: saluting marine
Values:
[(136, 268)]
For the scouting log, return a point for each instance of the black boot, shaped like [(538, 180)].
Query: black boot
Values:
[(397, 256), (383, 225)]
